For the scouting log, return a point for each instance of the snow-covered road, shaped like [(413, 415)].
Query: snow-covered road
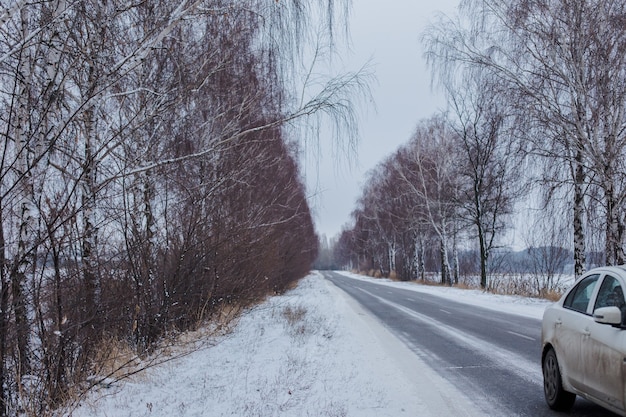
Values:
[(310, 352)]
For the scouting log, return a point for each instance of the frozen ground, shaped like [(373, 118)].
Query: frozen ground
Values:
[(310, 352)]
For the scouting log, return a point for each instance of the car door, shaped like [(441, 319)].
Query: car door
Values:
[(604, 348), (570, 325)]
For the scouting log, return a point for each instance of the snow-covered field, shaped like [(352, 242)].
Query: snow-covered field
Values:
[(310, 352)]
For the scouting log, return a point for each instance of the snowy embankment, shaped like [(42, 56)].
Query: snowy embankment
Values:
[(310, 352)]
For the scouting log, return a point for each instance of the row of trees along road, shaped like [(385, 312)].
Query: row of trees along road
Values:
[(147, 177), (537, 102)]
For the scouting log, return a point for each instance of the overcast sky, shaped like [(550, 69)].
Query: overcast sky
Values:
[(388, 34)]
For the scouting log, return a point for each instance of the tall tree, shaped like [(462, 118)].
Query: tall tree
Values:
[(561, 63), (488, 161), (139, 144), (428, 171)]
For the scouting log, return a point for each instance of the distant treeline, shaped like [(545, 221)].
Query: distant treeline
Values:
[(539, 261)]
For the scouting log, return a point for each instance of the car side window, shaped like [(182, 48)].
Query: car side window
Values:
[(610, 293), (578, 299)]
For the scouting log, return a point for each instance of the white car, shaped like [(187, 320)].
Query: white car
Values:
[(584, 342)]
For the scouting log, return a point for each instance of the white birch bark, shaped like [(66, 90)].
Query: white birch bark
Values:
[(24, 256)]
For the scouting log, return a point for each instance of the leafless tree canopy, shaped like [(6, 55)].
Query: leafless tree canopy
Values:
[(447, 186), (537, 97), (562, 70), (147, 179)]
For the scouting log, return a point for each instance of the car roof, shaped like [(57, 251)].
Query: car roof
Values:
[(619, 269)]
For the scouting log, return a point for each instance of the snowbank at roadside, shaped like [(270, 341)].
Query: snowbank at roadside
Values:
[(524, 306)]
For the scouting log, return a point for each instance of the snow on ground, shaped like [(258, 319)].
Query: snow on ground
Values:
[(310, 352)]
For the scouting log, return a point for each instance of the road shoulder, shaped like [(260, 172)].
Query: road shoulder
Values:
[(418, 386)]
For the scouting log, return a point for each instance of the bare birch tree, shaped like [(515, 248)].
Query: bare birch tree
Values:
[(428, 171), (139, 142), (560, 61)]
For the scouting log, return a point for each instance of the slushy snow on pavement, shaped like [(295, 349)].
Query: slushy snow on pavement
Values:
[(310, 352)]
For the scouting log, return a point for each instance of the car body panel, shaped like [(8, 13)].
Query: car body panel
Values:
[(591, 354), (568, 338), (604, 362)]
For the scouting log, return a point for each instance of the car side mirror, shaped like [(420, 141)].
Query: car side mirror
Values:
[(608, 315)]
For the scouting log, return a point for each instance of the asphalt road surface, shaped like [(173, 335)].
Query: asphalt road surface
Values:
[(494, 358)]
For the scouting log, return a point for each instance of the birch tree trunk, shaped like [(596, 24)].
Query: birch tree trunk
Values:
[(88, 203), (4, 319), (418, 257), (579, 212), (24, 257), (455, 252), (614, 229), (445, 262)]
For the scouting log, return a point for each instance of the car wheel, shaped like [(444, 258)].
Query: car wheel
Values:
[(556, 397)]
